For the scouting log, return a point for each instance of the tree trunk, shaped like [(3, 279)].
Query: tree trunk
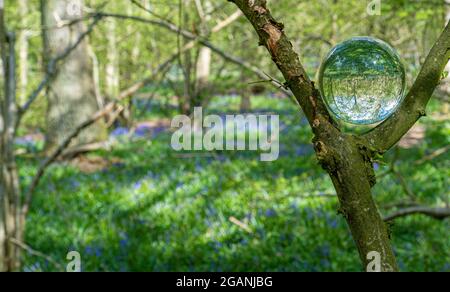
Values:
[(112, 65), (10, 211), (71, 94), (186, 65), (246, 103), (203, 66), (22, 45), (348, 162), (203, 70)]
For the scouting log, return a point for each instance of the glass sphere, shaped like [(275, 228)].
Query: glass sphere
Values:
[(362, 81)]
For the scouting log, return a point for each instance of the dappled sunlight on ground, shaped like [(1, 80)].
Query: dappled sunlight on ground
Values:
[(145, 207)]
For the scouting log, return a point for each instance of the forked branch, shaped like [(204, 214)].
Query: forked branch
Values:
[(388, 133), (272, 36)]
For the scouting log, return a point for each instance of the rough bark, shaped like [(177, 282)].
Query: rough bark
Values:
[(347, 158), (71, 93)]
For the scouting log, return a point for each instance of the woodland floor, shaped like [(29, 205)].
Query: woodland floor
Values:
[(143, 206)]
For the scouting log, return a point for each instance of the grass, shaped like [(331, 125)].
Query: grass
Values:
[(152, 210)]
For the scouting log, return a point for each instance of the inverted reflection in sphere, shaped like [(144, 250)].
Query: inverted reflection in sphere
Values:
[(362, 81)]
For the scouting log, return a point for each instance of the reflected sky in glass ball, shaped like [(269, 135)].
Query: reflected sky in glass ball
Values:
[(362, 81)]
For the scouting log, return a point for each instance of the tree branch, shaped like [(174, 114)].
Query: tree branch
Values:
[(221, 25), (49, 160), (190, 36), (34, 252), (436, 213), (433, 155), (272, 36), (388, 133)]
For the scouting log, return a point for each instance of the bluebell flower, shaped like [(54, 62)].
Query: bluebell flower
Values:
[(24, 141), (150, 174), (208, 222), (121, 131), (123, 243), (304, 150), (89, 250), (198, 166), (309, 213), (142, 130), (137, 185), (325, 263), (446, 267), (409, 246), (325, 250), (157, 130), (333, 223), (179, 186), (98, 252), (118, 164), (294, 206), (211, 211), (141, 221), (376, 166), (270, 213), (74, 183)]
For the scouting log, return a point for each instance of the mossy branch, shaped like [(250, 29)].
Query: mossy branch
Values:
[(388, 133)]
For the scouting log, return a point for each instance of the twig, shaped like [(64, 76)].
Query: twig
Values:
[(34, 252), (433, 155), (148, 10), (74, 151), (189, 35), (47, 162), (436, 213), (393, 170), (221, 25), (240, 224), (400, 205)]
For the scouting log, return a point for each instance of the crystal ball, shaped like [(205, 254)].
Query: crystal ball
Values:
[(362, 81)]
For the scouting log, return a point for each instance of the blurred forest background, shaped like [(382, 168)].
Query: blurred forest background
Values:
[(123, 198)]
